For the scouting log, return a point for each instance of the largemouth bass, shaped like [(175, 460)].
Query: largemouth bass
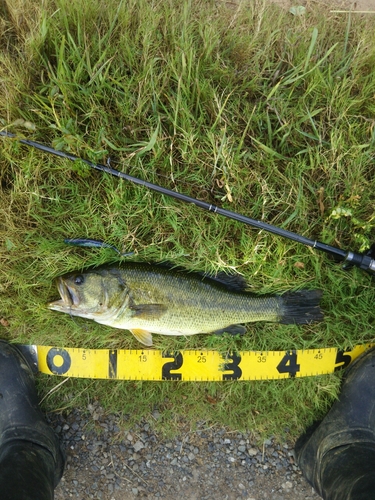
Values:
[(146, 299)]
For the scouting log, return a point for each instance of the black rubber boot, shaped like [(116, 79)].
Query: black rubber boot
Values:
[(25, 437), (337, 456)]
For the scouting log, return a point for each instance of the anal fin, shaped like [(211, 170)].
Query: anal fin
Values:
[(232, 330)]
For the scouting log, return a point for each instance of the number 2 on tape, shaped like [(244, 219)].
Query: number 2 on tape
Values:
[(172, 365)]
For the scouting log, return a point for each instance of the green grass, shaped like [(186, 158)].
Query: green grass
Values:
[(250, 108)]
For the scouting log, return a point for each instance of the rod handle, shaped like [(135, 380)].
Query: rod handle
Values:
[(365, 262)]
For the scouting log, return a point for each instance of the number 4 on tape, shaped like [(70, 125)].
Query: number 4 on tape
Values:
[(289, 364)]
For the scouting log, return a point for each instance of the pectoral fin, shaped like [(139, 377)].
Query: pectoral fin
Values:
[(143, 336), (148, 311)]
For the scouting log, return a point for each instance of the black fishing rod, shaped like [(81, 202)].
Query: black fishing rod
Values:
[(363, 261)]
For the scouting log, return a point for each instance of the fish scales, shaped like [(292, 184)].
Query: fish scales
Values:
[(146, 299), (194, 304)]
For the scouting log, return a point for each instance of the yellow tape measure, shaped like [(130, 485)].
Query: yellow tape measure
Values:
[(187, 365)]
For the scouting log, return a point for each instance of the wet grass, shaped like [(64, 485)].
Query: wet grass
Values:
[(250, 108)]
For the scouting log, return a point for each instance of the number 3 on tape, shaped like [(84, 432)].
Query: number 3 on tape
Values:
[(289, 364)]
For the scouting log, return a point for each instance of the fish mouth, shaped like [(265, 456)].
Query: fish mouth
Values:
[(69, 298)]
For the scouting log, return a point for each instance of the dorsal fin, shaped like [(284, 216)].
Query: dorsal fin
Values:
[(232, 281)]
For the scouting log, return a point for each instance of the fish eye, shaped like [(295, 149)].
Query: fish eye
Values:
[(78, 280)]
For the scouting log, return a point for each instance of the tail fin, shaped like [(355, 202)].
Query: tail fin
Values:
[(301, 307)]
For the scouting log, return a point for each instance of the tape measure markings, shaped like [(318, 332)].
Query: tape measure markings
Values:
[(192, 365)]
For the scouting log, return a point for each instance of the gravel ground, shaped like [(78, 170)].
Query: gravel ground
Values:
[(107, 463)]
